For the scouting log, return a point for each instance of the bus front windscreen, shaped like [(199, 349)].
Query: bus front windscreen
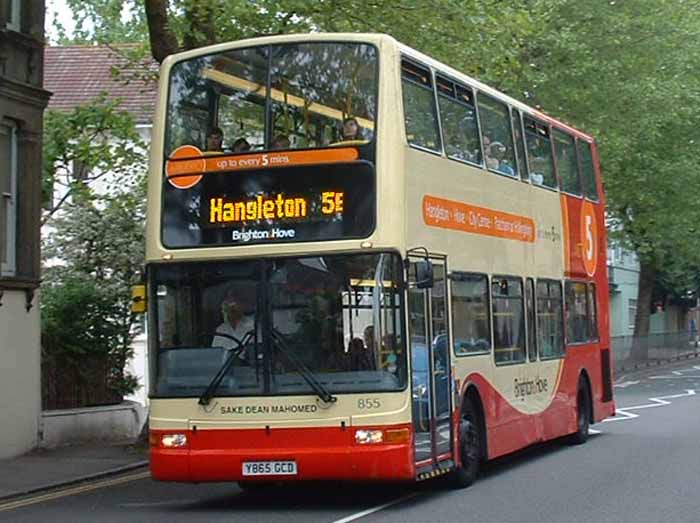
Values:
[(276, 321)]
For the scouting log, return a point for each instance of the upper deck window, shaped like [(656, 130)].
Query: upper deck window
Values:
[(499, 154), (539, 153), (460, 129), (291, 96), (419, 106), (584, 149), (566, 162), (517, 123)]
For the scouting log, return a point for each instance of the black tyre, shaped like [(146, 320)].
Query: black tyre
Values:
[(583, 415), (470, 446)]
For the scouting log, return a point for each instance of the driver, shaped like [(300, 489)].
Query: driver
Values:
[(236, 324)]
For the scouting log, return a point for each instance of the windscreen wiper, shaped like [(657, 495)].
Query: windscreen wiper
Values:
[(208, 394), (320, 390)]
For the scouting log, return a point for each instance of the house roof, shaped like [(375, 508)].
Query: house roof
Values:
[(78, 74)]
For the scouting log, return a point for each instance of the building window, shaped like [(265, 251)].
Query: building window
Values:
[(631, 314), (13, 14), (8, 197)]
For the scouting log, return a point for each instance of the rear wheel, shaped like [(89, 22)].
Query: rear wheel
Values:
[(470, 446), (583, 416)]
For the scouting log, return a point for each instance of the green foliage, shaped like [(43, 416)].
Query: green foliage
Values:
[(97, 247), (77, 319), (625, 72), (85, 145), (106, 21)]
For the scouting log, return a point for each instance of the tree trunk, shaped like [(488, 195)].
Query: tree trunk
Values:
[(647, 275), (162, 38)]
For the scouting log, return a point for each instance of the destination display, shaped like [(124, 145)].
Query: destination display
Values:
[(298, 203)]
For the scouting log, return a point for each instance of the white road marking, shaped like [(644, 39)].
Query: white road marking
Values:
[(677, 373), (656, 402), (173, 503), (593, 431), (681, 377), (625, 384), (358, 515)]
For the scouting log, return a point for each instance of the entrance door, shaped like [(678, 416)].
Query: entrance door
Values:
[(430, 368)]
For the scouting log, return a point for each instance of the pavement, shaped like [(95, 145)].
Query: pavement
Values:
[(49, 469)]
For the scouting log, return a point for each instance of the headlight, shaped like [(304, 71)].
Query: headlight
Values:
[(173, 440), (364, 437)]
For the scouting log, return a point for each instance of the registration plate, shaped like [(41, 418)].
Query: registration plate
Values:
[(269, 468)]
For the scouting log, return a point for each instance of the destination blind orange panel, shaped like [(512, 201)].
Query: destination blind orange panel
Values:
[(187, 163), (459, 216)]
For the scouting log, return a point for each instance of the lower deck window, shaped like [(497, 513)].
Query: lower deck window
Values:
[(508, 320), (550, 323)]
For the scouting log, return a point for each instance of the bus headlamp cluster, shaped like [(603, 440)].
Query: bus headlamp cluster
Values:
[(365, 437), (388, 436), (173, 440)]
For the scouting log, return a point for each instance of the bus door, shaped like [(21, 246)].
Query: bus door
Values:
[(431, 369)]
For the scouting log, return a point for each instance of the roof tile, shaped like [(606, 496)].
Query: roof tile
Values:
[(78, 74)]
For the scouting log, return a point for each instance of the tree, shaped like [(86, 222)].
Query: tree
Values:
[(92, 144), (94, 240), (626, 74), (96, 248)]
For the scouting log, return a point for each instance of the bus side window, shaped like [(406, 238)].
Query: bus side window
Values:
[(496, 135), (539, 154), (589, 185), (592, 312), (530, 312), (576, 312), (471, 323), (508, 319), (419, 107), (550, 320), (460, 130), (517, 123), (567, 165)]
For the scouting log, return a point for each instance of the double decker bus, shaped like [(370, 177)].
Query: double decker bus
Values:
[(378, 268)]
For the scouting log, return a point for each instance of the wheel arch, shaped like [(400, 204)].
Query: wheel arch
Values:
[(472, 393)]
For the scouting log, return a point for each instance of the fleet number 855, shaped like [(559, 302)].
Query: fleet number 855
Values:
[(369, 403)]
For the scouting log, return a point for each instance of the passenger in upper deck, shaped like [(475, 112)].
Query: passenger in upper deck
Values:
[(280, 142), (214, 141), (240, 146), (498, 152), (351, 130), (489, 160)]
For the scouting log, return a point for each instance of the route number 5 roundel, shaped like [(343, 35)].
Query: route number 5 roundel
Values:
[(589, 233)]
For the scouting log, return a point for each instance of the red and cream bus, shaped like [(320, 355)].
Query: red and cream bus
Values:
[(365, 265)]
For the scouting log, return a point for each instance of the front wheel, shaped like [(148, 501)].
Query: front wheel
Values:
[(470, 446)]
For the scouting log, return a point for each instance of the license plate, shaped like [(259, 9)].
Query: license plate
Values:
[(269, 468)]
